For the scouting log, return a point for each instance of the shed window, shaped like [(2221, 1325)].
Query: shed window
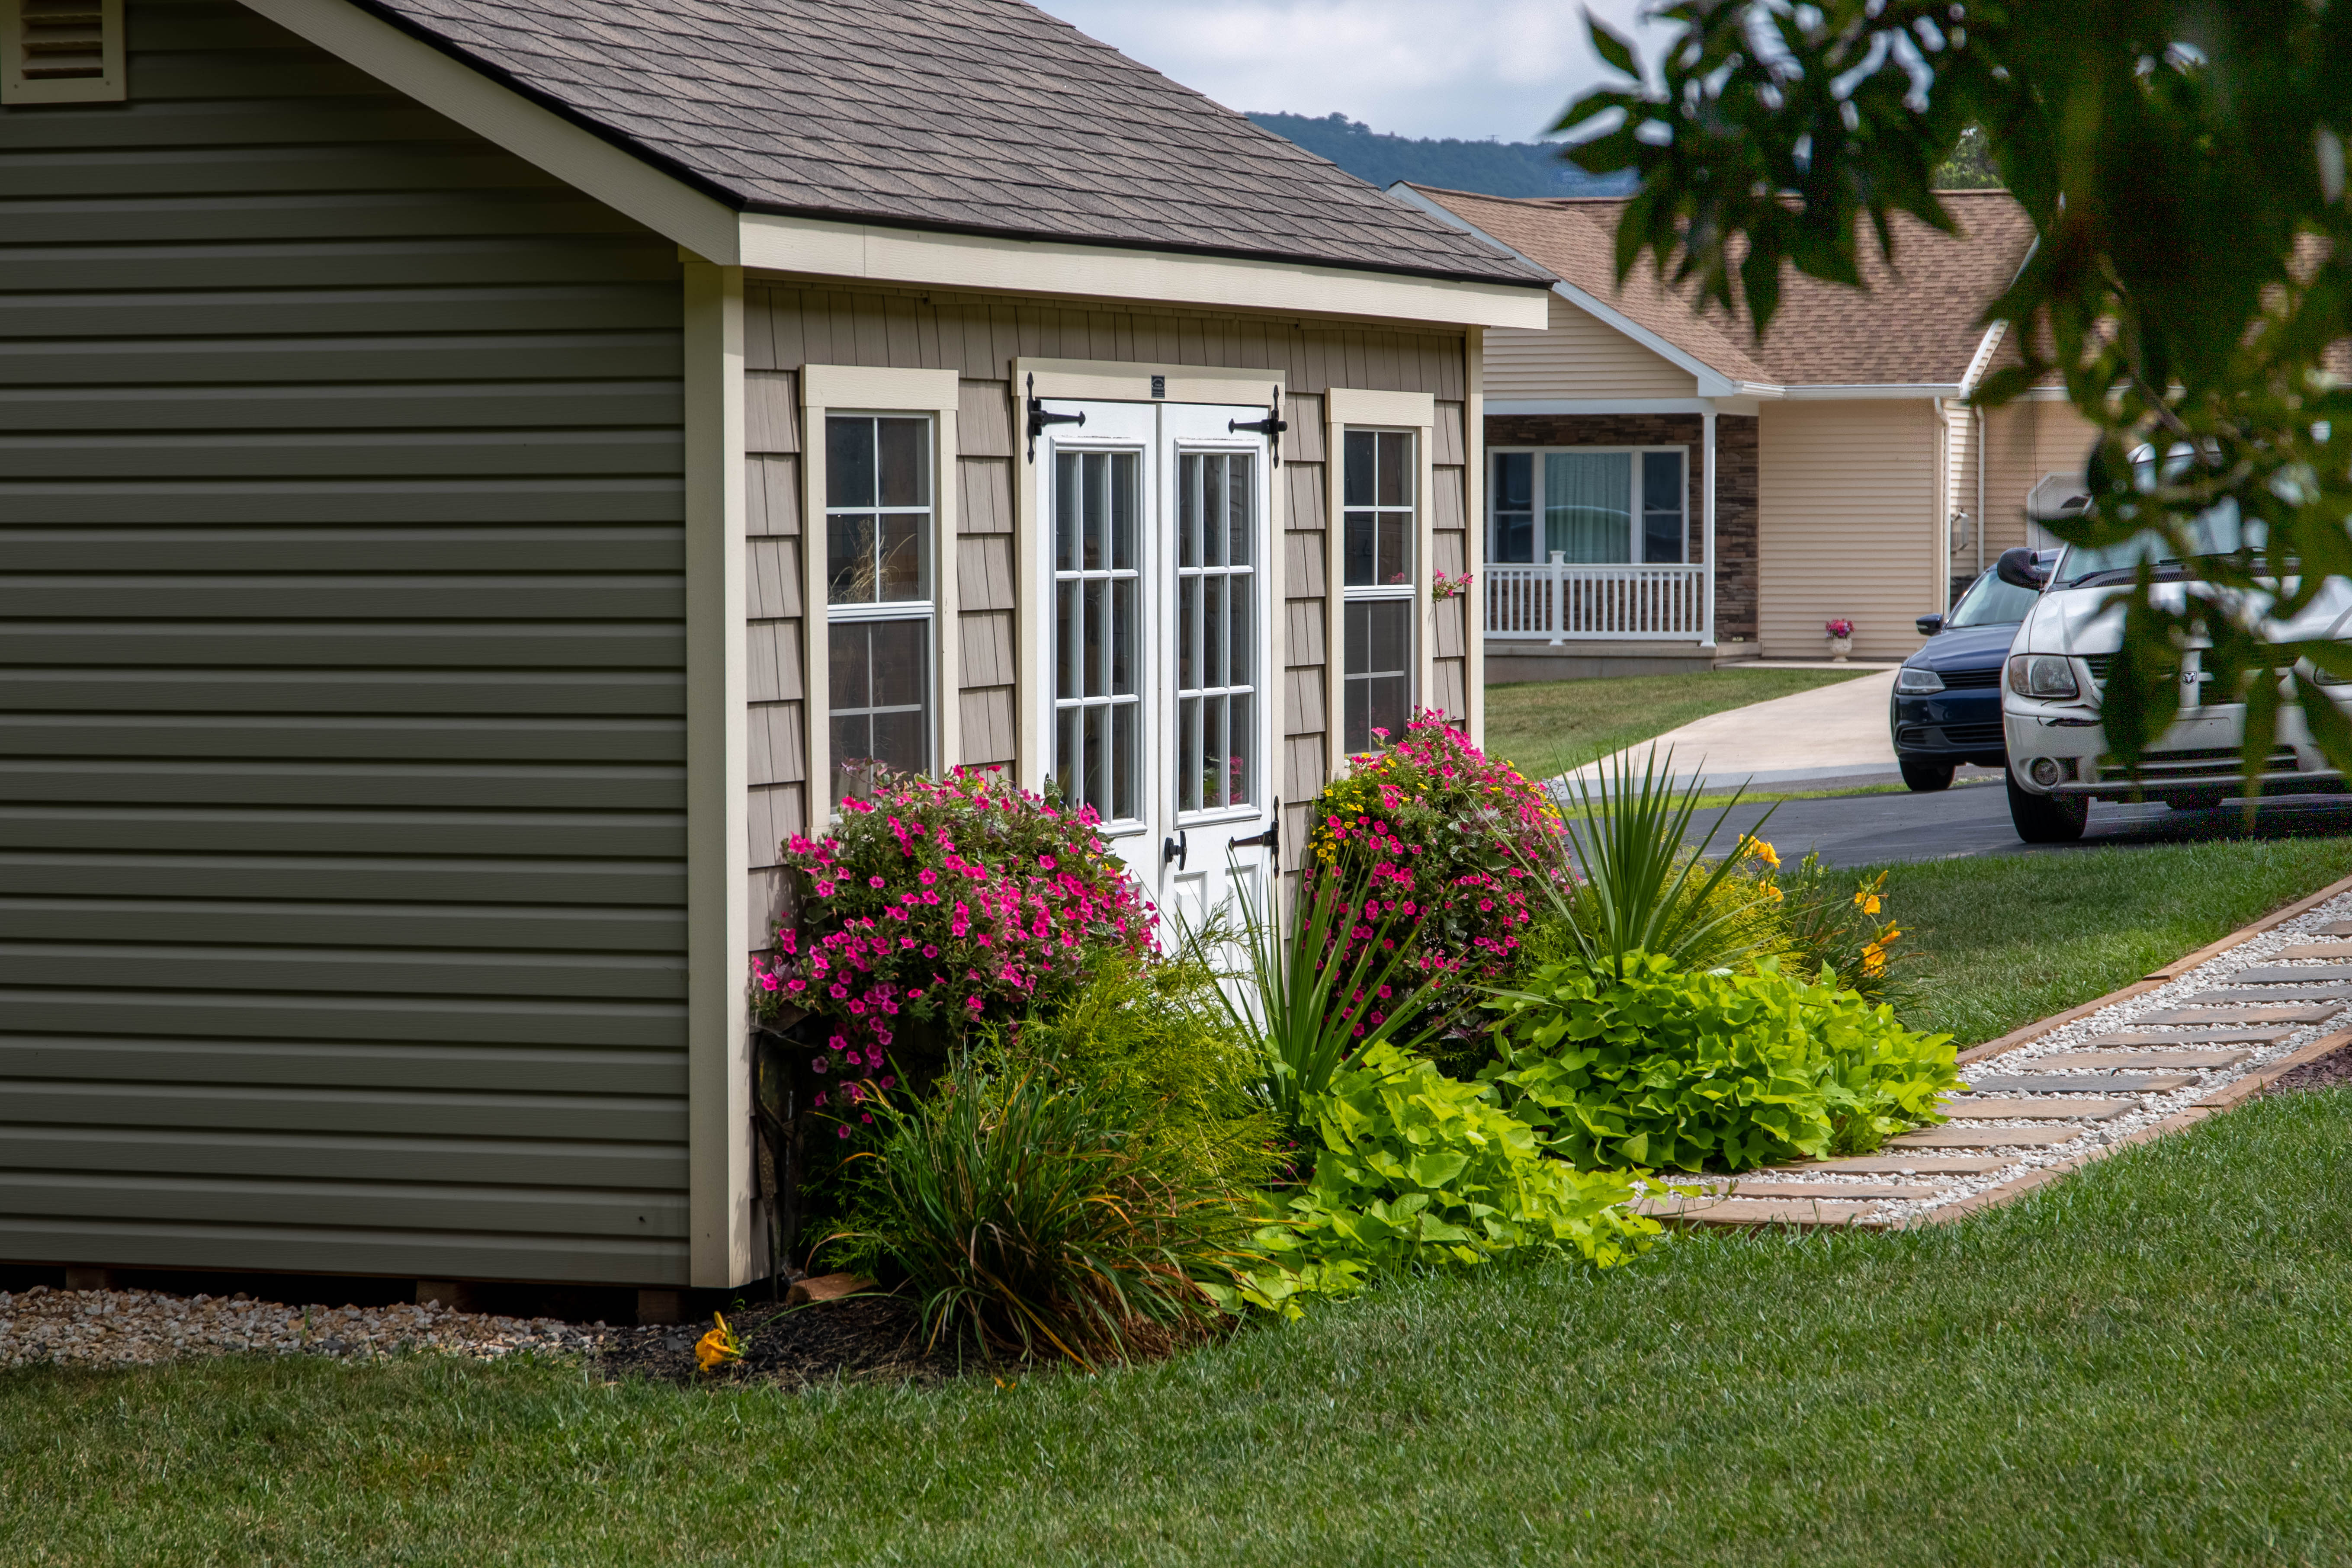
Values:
[(60, 51), (880, 607), (1378, 528)]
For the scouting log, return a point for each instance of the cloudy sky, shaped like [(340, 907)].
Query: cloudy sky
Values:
[(1415, 68)]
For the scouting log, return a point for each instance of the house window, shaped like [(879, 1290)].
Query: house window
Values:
[(1098, 632), (60, 51), (880, 608), (1377, 590), (1590, 504)]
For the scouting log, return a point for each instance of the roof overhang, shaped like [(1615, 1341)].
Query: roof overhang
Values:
[(679, 209)]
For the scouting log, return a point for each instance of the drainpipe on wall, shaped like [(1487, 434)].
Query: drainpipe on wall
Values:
[(1978, 414), (1706, 421)]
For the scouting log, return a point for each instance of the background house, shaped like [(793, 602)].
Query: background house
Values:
[(470, 472), (1831, 470)]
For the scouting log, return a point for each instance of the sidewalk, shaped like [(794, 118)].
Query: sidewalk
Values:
[(1834, 735)]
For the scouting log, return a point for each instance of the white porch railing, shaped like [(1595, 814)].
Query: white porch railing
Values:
[(1557, 601)]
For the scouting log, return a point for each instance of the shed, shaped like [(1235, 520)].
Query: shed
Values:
[(473, 477)]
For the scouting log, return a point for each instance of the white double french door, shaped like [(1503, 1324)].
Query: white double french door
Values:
[(1160, 702)]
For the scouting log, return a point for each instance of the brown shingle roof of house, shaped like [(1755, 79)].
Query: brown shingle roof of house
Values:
[(977, 116), (1916, 322)]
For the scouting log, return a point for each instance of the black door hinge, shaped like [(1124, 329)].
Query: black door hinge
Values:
[(1271, 839), (1039, 418), (1271, 427)]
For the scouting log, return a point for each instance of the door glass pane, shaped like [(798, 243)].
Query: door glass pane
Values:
[(1213, 631), (1588, 505), (1126, 496), (1213, 752), (1241, 511), (1094, 654), (1188, 634), (1662, 507), (1067, 501), (1126, 766), (1188, 753), (1241, 782), (1216, 626), (1123, 634), (1098, 509), (1065, 638), (1238, 631)]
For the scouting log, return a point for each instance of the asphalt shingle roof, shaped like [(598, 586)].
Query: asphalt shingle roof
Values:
[(977, 116), (1914, 323)]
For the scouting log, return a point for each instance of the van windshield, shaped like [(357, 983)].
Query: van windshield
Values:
[(1989, 602), (2218, 531)]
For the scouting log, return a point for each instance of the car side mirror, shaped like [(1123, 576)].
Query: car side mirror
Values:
[(2017, 568), (1930, 625)]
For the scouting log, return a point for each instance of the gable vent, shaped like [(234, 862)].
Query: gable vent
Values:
[(60, 51)]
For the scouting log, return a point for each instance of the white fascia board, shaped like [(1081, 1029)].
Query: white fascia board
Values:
[(1828, 394), (1712, 382), (1571, 405), (1981, 358), (774, 242), (581, 160)]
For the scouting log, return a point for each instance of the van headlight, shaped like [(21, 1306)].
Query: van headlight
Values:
[(1916, 682), (2043, 675)]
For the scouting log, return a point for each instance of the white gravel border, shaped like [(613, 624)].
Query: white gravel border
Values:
[(2148, 1110)]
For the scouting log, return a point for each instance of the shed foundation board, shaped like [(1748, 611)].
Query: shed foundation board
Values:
[(2218, 1013), (1985, 1137), (2061, 1083), (1908, 1165), (1978, 1109), (2316, 950), (2293, 975), (2268, 1036)]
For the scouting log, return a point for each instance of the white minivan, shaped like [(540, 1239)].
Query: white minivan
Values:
[(2057, 676)]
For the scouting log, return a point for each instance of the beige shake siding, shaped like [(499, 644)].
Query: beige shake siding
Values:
[(791, 324), (1849, 524), (1578, 357)]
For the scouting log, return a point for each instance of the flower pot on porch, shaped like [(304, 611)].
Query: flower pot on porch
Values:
[(1839, 649)]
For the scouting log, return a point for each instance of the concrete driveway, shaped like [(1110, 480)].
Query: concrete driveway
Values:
[(1828, 736), (1973, 819)]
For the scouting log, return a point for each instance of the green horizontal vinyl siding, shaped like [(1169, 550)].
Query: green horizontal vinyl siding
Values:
[(342, 687)]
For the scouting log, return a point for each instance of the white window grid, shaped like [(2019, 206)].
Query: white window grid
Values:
[(1107, 722), (924, 610), (1223, 594), (1408, 591)]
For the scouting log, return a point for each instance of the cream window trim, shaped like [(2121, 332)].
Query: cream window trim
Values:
[(23, 30), (1417, 412), (866, 389), (1114, 381)]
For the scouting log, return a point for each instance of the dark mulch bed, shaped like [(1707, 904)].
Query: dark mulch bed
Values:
[(2329, 1070), (860, 1339)]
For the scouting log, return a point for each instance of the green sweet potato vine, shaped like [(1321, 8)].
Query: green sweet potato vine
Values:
[(1667, 1069), (1418, 1170)]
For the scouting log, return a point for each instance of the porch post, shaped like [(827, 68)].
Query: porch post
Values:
[(1706, 421)]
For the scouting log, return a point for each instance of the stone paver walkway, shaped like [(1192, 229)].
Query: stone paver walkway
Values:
[(2144, 1061)]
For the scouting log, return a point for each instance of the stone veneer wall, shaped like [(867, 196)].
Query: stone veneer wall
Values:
[(1735, 453)]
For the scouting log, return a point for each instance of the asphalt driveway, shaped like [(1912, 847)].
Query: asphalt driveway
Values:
[(1973, 819)]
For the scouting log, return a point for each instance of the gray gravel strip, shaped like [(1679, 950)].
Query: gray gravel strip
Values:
[(118, 1328)]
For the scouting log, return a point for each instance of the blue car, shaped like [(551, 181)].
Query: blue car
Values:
[(1946, 705)]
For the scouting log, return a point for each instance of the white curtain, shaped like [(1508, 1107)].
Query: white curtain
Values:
[(1588, 505)]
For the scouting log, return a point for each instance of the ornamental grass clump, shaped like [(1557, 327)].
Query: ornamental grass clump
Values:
[(935, 905), (1023, 1218), (1440, 836), (1658, 1067)]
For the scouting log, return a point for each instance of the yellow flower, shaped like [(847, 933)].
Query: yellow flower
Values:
[(1772, 894), (1874, 959), (1759, 850), (1869, 905), (718, 1347)]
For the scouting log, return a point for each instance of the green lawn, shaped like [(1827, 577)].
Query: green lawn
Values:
[(2143, 1364), (1999, 940), (1551, 728), (2140, 1364)]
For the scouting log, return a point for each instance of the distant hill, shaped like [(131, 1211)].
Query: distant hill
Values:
[(1496, 168)]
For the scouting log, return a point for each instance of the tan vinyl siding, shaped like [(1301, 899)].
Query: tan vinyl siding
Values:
[(789, 324), (342, 806), (2023, 441), (1849, 524), (1577, 356)]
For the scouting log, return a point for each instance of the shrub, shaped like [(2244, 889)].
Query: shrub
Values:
[(1667, 1069), (940, 904), (1149, 1044), (1018, 1213), (1421, 1169), (1436, 832)]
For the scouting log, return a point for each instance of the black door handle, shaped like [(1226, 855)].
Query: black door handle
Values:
[(1174, 849)]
